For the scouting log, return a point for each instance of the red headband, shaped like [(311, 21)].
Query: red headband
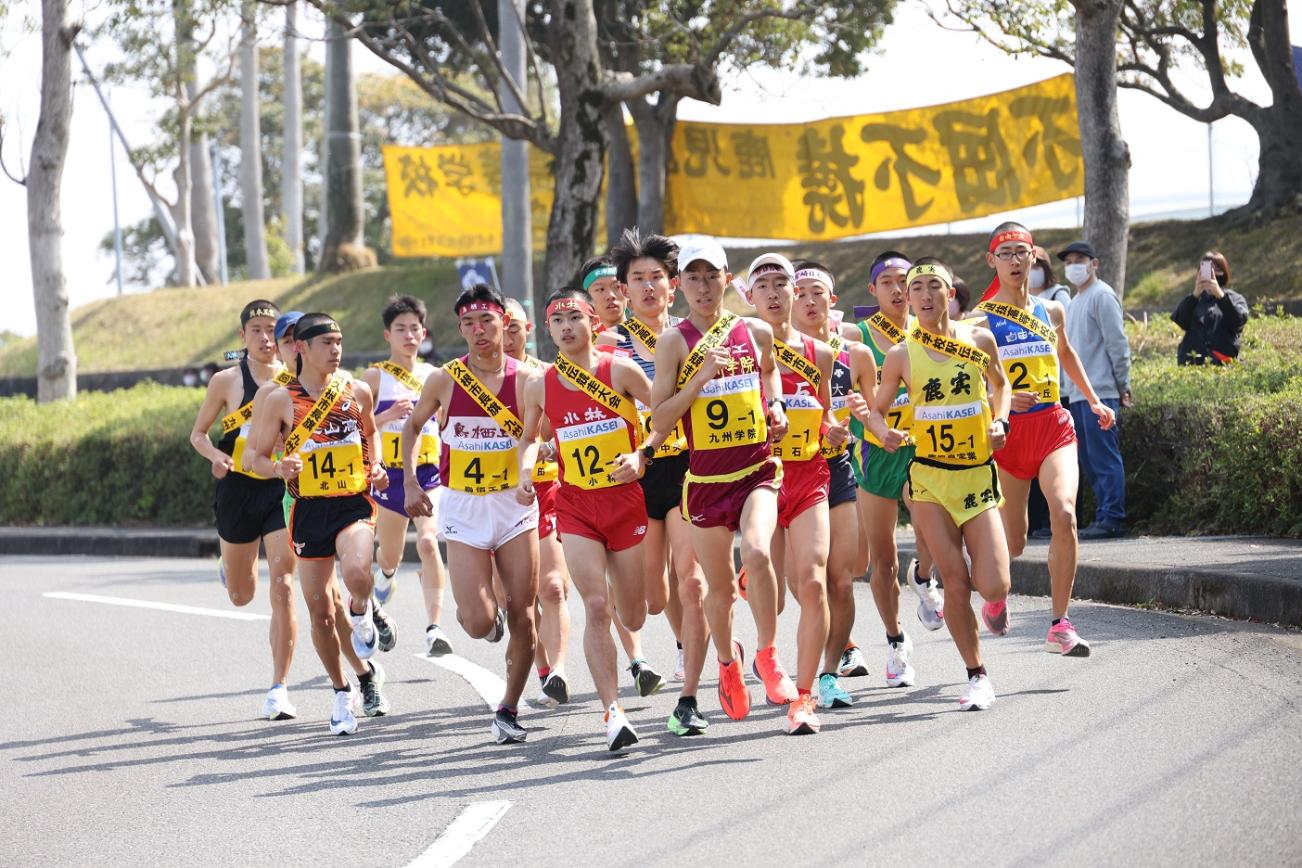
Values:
[(1011, 235), (571, 303), (490, 306)]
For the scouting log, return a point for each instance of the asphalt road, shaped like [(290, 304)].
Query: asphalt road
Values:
[(135, 740)]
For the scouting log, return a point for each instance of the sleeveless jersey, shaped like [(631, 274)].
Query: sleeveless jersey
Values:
[(589, 436), (233, 443), (676, 442), (478, 457), (726, 428), (841, 386), (543, 471), (1030, 361), (951, 422), (804, 413), (900, 416), (336, 456), (392, 391)]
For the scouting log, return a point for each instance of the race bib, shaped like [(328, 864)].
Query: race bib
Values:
[(728, 412), (1032, 367), (237, 454), (589, 450), (952, 433), (481, 456), (899, 417), (391, 441), (840, 412), (804, 418), (545, 471), (332, 468)]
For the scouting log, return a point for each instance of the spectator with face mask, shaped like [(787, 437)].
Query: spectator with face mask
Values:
[(1044, 282), (1212, 316)]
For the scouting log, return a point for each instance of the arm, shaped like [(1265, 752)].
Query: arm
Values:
[(269, 424), (214, 402), (630, 380), (1234, 309), (259, 401), (895, 370), (762, 335), (416, 500), (375, 473), (1000, 394), (837, 432), (1071, 365), (668, 402), (534, 393), (1108, 312), (1183, 313)]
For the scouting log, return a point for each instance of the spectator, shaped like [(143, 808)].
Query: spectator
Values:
[(1044, 282), (1094, 326), (1212, 316)]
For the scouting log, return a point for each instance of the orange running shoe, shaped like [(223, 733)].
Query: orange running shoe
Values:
[(801, 719), (741, 582), (778, 689), (734, 696)]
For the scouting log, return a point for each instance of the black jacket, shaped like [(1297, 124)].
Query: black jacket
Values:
[(1211, 325)]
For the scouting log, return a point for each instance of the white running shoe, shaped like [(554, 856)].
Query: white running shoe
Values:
[(384, 585), (931, 602), (619, 732), (899, 671), (436, 642), (852, 663), (277, 705), (680, 669), (365, 637), (979, 694), (342, 719)]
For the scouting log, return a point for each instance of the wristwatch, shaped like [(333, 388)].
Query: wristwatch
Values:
[(648, 452), (780, 402), (1003, 422)]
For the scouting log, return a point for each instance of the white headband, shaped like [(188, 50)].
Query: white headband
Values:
[(815, 274)]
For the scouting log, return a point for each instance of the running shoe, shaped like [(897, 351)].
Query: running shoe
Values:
[(852, 663), (996, 617), (436, 642), (277, 705), (499, 626), (979, 694), (619, 732), (386, 628), (931, 602), (680, 668), (1063, 639), (365, 636), (734, 696), (374, 703), (899, 671), (647, 680), (342, 719), (741, 582), (555, 688), (801, 719), (686, 719), (778, 689), (831, 694), (385, 585), (507, 729)]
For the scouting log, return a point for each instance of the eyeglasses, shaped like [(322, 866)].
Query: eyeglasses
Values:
[(1007, 255)]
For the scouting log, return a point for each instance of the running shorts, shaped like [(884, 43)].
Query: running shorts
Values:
[(964, 492), (546, 494), (884, 473), (662, 485), (614, 517), (1031, 437), (247, 509), (842, 480), (393, 497), (484, 521), (712, 503), (804, 484), (315, 522)]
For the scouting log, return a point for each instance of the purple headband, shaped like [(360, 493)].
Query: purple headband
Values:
[(893, 262)]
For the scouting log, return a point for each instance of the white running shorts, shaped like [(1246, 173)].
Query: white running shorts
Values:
[(484, 521)]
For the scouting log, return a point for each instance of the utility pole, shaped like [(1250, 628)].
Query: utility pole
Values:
[(117, 224), (220, 209), (517, 255)]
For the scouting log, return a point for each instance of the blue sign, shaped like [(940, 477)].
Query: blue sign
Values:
[(473, 271), (1297, 64)]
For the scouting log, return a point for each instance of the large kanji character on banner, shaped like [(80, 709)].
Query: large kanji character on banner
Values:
[(832, 193), (983, 172), (906, 166)]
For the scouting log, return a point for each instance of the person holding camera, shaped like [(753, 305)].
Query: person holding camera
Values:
[(1212, 316)]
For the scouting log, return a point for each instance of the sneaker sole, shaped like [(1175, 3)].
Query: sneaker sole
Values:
[(856, 672), (727, 706), (655, 687), (376, 712), (906, 681), (768, 700), (561, 699), (975, 707), (388, 645), (836, 703), (1080, 649), (440, 648), (334, 730), (625, 737), (930, 625), (384, 596), (683, 731), (803, 729), (280, 715), (504, 737)]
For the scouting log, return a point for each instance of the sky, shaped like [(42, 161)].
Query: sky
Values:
[(1169, 151)]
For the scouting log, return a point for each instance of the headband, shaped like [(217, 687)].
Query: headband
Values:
[(766, 268), (490, 306), (269, 312), (815, 274), (930, 269), (582, 305), (1011, 235), (329, 327), (892, 262), (597, 274)]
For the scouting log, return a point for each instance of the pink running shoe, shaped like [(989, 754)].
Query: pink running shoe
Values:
[(1063, 639), (996, 617)]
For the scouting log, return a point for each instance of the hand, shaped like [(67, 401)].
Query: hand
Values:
[(378, 477), (417, 502), (1107, 418), (290, 467), (1023, 401), (221, 466), (997, 436), (837, 434), (858, 406), (777, 422), (716, 359), (400, 409), (1126, 399), (524, 493), (547, 451), (894, 439), (1206, 284), (627, 467)]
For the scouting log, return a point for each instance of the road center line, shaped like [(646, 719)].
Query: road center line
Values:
[(164, 607), (486, 684), (467, 830)]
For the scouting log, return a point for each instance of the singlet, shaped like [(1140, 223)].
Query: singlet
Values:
[(804, 412), (336, 456), (477, 456), (900, 416), (391, 391), (589, 436), (233, 442), (1030, 361), (543, 471), (726, 428), (951, 421), (841, 386), (676, 442)]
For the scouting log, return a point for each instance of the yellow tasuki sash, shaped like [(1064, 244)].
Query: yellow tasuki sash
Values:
[(325, 401), (803, 367), (237, 418), (1028, 321), (404, 377), (717, 334), (602, 394), (883, 324), (951, 347), (644, 335), (487, 401), (836, 342)]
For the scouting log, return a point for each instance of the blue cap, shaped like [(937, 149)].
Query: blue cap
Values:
[(287, 322)]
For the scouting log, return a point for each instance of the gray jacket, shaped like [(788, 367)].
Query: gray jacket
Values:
[(1096, 332)]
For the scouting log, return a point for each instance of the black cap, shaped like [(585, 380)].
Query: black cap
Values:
[(1078, 247)]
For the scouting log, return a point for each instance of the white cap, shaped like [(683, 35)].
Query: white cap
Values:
[(702, 247), (776, 259)]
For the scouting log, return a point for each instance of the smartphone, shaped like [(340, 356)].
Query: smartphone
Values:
[(1205, 270)]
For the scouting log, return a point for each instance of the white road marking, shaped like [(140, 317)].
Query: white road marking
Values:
[(165, 607), (486, 684), (467, 830)]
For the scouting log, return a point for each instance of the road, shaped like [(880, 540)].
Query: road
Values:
[(136, 741)]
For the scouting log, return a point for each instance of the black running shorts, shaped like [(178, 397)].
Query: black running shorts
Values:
[(247, 509), (314, 522), (662, 485)]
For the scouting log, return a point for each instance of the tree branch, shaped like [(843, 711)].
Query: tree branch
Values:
[(22, 182), (685, 79)]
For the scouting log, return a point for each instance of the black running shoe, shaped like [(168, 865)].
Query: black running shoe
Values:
[(499, 627), (507, 729), (386, 628), (686, 719), (648, 681), (373, 701), (556, 688)]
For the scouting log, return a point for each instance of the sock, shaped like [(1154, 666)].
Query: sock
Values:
[(850, 646), (277, 684), (973, 673), (368, 675), (802, 691), (822, 674), (389, 574), (508, 709), (345, 689), (687, 700), (895, 640), (1056, 622), (431, 627), (544, 671), (679, 645)]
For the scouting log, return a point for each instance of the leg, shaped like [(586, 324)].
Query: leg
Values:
[(1013, 512), (517, 563), (759, 524), (391, 533), (355, 545), (433, 578), (240, 567), (284, 619), (879, 516), (471, 570), (554, 624), (1059, 480), (1105, 453), (983, 536), (808, 540), (627, 588), (842, 555), (691, 596), (946, 545), (344, 628), (589, 574), (656, 568), (783, 566), (316, 576), (713, 548)]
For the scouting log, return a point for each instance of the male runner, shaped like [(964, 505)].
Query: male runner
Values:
[(952, 479), (247, 506), (330, 461), (647, 266), (599, 277), (712, 371), (396, 383), (587, 399), (478, 397), (1032, 338), (853, 371), (882, 475)]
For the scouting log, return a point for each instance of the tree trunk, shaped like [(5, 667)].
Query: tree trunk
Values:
[(343, 177), (1279, 125), (56, 371), (655, 130), (621, 188), (1107, 156), (255, 222), (203, 211), (181, 213), (291, 184)]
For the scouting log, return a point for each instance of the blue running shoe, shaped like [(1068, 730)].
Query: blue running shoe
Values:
[(385, 585), (831, 694)]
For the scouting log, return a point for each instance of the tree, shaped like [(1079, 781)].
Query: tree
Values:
[(255, 239), (342, 247), (291, 203)]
